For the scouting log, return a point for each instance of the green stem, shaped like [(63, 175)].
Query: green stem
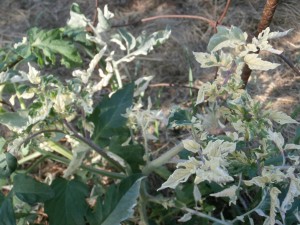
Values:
[(143, 204), (117, 73), (21, 101), (252, 210), (203, 215), (93, 146), (164, 158), (88, 168), (37, 162)]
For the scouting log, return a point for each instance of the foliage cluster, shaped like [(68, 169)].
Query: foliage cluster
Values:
[(234, 168)]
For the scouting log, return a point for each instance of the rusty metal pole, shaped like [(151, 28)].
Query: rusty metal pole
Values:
[(265, 22)]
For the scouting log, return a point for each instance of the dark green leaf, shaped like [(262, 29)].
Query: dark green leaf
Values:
[(107, 116), (179, 117), (15, 121), (132, 154), (118, 203), (31, 191), (50, 43), (69, 206), (8, 164), (7, 215)]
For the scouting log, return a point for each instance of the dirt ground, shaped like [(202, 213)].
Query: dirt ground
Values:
[(170, 63)]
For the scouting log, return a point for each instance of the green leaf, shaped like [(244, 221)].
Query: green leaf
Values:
[(132, 154), (118, 203), (128, 38), (107, 116), (179, 117), (8, 164), (31, 191), (69, 206), (226, 38), (50, 43), (15, 121), (2, 143), (7, 215)]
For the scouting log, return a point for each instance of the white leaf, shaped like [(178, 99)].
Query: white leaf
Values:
[(182, 174), (274, 204), (107, 14), (202, 91), (228, 192), (293, 192), (77, 20), (186, 217), (196, 193), (79, 153), (281, 117), (103, 23), (142, 83), (277, 138), (191, 145), (33, 75), (291, 146), (278, 34), (256, 63)]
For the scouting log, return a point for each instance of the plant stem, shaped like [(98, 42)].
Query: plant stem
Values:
[(36, 163), (252, 210), (203, 215), (93, 146), (89, 168), (164, 158), (25, 142)]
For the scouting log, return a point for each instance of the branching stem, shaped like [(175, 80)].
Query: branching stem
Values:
[(93, 146)]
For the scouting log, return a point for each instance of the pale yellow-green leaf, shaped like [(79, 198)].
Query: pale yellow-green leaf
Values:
[(256, 63), (196, 193), (217, 175), (77, 20), (202, 92), (281, 117), (229, 192), (33, 75), (180, 175), (186, 217), (79, 153), (291, 146), (278, 34), (191, 145), (142, 84), (206, 60), (277, 138), (268, 176), (275, 204), (293, 192)]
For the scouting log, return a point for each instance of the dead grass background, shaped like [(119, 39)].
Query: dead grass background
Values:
[(170, 62)]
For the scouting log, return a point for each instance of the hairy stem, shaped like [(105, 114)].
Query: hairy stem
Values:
[(164, 158), (88, 168), (94, 146), (203, 215)]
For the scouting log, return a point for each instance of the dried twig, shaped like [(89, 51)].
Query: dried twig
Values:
[(172, 85), (209, 21)]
